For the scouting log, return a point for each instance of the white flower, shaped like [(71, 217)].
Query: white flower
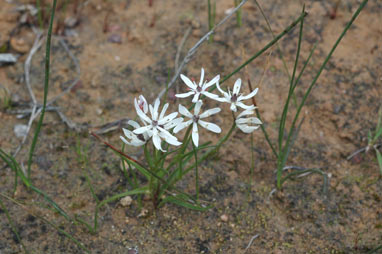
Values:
[(235, 98), (247, 125), (197, 90), (157, 126), (195, 120), (135, 139)]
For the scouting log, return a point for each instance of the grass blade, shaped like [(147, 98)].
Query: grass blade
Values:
[(180, 202), (355, 15), (379, 159), (291, 86), (46, 87)]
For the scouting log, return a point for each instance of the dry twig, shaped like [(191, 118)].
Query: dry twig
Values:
[(193, 50), (250, 242), (36, 108)]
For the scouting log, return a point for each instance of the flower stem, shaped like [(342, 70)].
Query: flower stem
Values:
[(196, 172)]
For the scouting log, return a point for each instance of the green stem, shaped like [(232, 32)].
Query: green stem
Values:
[(196, 172), (355, 15), (46, 87), (39, 14), (238, 13), (270, 44), (214, 150), (291, 87)]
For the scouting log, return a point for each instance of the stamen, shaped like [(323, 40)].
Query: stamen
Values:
[(234, 97), (195, 119), (141, 137)]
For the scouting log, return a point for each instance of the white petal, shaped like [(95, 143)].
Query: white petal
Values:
[(210, 95), (242, 105), (247, 129), (184, 95), (188, 82), (168, 137), (134, 142), (181, 126), (184, 111), (210, 126), (254, 120), (233, 107), (212, 82), (201, 78), (168, 118), (128, 133), (142, 101), (196, 97), (198, 105), (142, 129), (236, 87), (246, 97), (151, 111), (195, 135), (222, 99), (250, 120), (133, 123), (219, 88), (209, 112), (173, 123), (140, 113), (245, 113), (157, 142), (156, 107), (163, 111), (124, 140)]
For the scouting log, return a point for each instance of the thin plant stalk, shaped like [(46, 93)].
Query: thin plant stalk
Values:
[(211, 18), (291, 86), (238, 14), (196, 172), (265, 48), (283, 158), (278, 48), (39, 14), (46, 87)]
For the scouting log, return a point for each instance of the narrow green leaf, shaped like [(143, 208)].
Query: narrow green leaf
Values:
[(46, 88), (379, 158), (188, 205)]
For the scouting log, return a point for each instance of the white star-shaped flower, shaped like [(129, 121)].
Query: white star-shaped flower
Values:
[(158, 125), (249, 124), (235, 98), (135, 139), (195, 119), (197, 90)]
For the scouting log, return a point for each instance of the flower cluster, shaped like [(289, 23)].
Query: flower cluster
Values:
[(159, 126)]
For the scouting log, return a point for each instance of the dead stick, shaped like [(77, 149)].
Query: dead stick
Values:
[(115, 149), (193, 50)]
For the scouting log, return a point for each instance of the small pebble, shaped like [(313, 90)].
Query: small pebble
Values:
[(126, 201), (70, 22), (224, 217), (115, 38), (143, 213), (20, 130), (20, 45)]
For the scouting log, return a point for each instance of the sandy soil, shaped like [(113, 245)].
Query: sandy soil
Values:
[(128, 48)]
